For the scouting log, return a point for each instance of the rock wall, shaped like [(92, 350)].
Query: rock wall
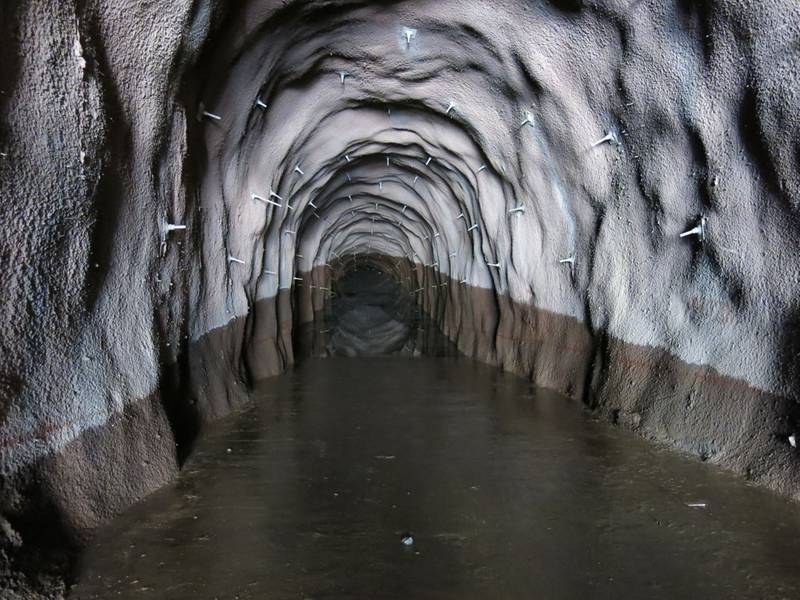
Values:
[(535, 161)]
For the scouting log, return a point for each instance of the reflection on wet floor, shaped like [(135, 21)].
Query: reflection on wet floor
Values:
[(371, 315), (508, 492)]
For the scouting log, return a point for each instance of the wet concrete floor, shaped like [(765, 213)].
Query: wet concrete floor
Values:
[(509, 492)]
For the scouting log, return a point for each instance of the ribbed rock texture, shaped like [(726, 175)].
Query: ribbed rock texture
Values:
[(522, 169)]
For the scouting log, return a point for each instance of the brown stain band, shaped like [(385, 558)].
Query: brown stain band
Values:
[(692, 408)]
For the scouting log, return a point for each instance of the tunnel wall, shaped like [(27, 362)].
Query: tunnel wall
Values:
[(93, 149), (474, 131), (693, 408)]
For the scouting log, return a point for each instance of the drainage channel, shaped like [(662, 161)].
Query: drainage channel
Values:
[(438, 478)]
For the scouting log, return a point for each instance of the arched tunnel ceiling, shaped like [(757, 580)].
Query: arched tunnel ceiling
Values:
[(419, 133), (550, 152)]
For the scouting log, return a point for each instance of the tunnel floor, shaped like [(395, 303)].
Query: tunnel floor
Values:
[(508, 491)]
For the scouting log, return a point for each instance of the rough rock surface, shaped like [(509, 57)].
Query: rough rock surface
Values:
[(461, 141)]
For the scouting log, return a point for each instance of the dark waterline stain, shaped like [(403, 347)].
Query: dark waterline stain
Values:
[(509, 492)]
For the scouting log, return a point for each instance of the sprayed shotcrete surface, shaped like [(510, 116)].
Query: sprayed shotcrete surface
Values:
[(524, 168)]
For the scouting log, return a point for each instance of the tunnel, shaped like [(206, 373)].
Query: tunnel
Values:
[(400, 298)]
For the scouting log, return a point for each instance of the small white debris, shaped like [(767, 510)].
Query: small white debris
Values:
[(77, 51), (529, 119), (696, 504), (793, 441), (407, 539), (610, 138), (409, 34), (699, 231), (170, 227)]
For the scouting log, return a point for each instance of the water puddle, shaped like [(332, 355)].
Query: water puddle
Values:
[(507, 491)]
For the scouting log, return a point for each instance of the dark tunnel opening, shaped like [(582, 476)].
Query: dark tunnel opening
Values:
[(367, 307), (371, 314)]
